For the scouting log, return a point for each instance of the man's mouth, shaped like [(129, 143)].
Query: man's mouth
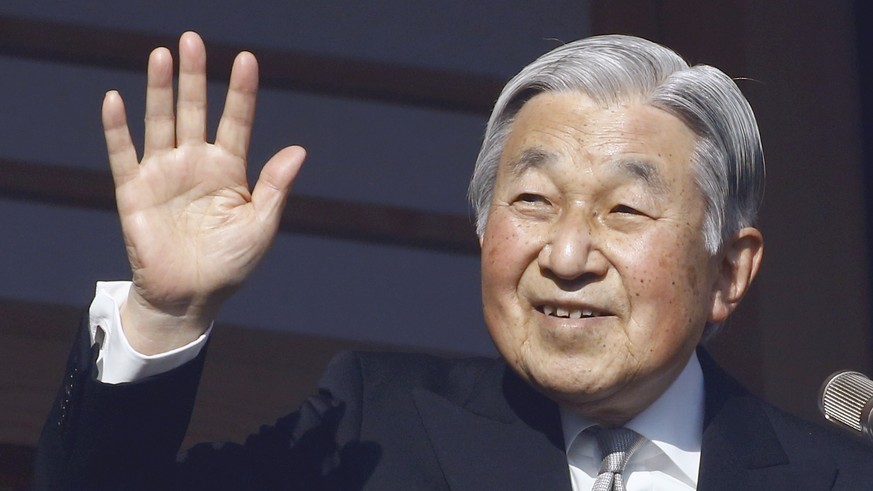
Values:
[(570, 313)]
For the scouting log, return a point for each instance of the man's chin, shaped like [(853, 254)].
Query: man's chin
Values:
[(571, 389)]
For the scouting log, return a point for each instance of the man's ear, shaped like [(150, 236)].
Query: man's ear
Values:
[(738, 266)]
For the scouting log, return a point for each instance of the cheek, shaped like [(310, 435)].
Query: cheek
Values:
[(508, 248), (507, 252), (666, 289)]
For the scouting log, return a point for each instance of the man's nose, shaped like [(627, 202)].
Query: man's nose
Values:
[(572, 249)]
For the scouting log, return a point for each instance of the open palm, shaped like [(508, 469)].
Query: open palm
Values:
[(192, 228)]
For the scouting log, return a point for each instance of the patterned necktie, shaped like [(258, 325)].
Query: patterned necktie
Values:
[(616, 445)]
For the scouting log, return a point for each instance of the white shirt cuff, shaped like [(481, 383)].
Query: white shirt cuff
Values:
[(117, 361)]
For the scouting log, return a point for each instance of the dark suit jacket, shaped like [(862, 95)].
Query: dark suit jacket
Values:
[(401, 421)]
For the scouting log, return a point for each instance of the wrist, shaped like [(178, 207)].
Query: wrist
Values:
[(152, 331)]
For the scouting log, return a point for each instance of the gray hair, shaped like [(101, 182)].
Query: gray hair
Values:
[(728, 159)]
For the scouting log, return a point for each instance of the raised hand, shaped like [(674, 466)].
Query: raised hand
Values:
[(193, 230)]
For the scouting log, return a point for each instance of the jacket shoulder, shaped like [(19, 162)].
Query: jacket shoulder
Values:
[(388, 372), (803, 438)]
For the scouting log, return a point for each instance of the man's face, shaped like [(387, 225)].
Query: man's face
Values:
[(596, 281)]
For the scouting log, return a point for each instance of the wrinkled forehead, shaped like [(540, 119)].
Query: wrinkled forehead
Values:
[(623, 168), (636, 138)]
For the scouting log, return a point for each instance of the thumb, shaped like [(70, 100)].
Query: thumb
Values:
[(274, 183)]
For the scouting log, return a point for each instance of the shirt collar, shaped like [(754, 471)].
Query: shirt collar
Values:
[(678, 437)]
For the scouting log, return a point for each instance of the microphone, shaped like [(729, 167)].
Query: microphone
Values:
[(846, 399)]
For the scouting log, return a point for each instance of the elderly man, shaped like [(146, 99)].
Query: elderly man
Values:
[(616, 193)]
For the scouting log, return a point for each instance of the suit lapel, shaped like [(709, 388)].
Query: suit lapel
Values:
[(740, 448), (503, 436), (506, 436)]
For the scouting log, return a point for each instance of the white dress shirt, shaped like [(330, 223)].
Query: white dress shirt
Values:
[(673, 426), (117, 361)]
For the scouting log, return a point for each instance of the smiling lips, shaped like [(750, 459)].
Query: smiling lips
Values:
[(569, 313)]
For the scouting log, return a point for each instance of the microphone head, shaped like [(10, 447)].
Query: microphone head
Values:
[(846, 398)]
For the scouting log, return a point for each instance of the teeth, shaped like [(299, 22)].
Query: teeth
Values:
[(567, 313)]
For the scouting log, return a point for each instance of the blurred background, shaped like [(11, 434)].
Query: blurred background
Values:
[(377, 249)]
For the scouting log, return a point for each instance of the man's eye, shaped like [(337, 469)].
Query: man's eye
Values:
[(627, 210), (531, 198)]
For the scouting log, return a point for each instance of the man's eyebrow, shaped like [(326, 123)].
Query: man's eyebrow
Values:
[(644, 171), (531, 157)]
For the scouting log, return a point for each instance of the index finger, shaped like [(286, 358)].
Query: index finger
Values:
[(235, 127)]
